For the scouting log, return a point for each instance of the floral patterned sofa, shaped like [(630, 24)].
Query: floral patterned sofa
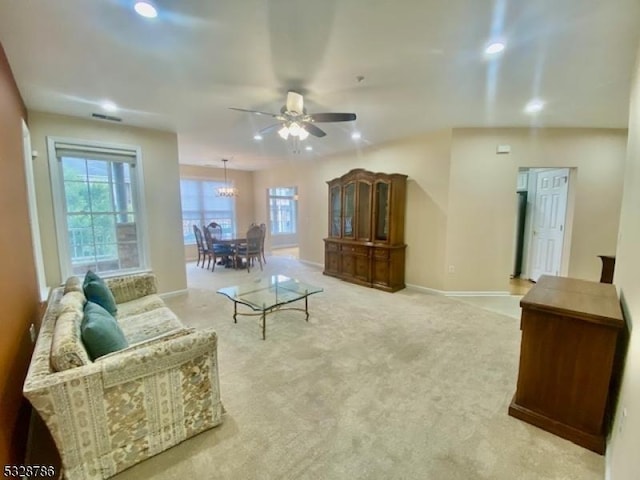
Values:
[(124, 407)]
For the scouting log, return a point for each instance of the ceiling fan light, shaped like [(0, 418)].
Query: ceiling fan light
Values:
[(284, 132), (294, 129), (303, 134)]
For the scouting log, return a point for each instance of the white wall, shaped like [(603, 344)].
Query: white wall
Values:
[(424, 158), (623, 461), (162, 190), (482, 210), (460, 199)]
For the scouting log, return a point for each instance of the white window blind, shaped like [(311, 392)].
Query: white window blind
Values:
[(201, 205)]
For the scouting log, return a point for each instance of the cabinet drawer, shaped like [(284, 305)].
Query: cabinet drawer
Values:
[(381, 253), (355, 249), (332, 247)]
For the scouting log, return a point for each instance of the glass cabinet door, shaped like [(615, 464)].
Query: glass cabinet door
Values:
[(382, 211), (364, 211), (335, 206), (349, 210)]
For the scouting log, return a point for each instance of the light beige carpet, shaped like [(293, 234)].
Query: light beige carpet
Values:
[(375, 386)]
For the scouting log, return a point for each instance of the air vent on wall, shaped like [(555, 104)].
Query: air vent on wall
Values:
[(106, 117)]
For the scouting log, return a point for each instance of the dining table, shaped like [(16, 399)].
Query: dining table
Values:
[(233, 243)]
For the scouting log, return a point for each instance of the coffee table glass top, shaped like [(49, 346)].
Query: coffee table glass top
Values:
[(269, 292)]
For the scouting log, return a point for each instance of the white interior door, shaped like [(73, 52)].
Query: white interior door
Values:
[(548, 222)]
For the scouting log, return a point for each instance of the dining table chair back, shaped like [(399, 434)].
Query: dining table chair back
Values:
[(263, 229), (250, 250), (218, 249), (203, 251), (208, 241)]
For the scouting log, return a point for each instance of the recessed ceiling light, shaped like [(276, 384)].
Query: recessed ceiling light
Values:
[(257, 137), (109, 106), (494, 48), (145, 9), (534, 106), (308, 148), (356, 135)]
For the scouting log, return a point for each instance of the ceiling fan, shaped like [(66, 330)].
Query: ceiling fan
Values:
[(296, 122)]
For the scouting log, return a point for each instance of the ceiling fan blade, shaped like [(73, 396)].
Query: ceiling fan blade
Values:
[(270, 128), (332, 117), (313, 130), (295, 103), (254, 111)]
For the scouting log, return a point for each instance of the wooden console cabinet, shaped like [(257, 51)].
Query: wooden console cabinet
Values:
[(365, 244), (569, 332)]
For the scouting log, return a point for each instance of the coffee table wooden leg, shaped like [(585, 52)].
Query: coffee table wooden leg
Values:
[(264, 325), (235, 312)]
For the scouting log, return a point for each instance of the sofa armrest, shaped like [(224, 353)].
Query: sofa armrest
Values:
[(114, 413), (156, 357), (35, 386), (131, 287)]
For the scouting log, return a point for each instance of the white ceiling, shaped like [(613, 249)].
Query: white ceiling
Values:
[(422, 63)]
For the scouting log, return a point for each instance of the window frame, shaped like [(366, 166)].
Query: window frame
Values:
[(294, 199), (60, 206)]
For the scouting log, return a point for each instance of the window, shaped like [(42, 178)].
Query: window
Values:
[(201, 205), (97, 207), (283, 203)]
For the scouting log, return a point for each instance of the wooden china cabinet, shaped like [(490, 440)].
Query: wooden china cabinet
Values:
[(365, 244)]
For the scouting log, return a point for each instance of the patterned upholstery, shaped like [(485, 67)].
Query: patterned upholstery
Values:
[(149, 324), (108, 415), (130, 287), (67, 350), (139, 305)]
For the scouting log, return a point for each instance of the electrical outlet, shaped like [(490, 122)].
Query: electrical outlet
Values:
[(32, 333), (452, 269)]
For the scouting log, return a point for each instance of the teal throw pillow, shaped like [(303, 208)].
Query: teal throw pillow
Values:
[(100, 332), (91, 276), (97, 291)]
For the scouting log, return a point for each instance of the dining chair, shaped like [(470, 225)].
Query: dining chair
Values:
[(203, 251), (263, 228), (250, 250), (218, 250)]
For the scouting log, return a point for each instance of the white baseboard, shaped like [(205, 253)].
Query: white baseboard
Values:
[(175, 293), (313, 264), (607, 462), (454, 293)]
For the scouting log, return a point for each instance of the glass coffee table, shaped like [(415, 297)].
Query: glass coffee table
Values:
[(268, 295)]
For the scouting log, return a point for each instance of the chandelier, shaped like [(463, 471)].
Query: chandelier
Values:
[(293, 129), (226, 190)]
